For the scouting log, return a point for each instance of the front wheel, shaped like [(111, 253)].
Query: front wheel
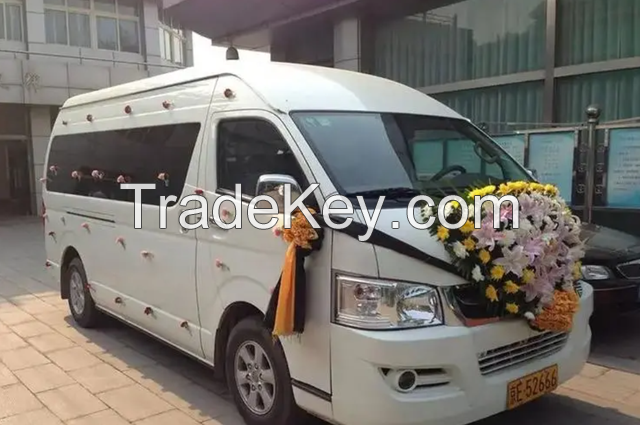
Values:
[(258, 376), (83, 309)]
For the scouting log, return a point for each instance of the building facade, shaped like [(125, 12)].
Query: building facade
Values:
[(511, 64), (51, 50)]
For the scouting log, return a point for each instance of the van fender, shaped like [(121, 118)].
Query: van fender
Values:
[(240, 289)]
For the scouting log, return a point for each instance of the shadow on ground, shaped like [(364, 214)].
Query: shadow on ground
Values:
[(616, 342)]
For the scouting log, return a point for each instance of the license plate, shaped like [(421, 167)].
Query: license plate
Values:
[(532, 386)]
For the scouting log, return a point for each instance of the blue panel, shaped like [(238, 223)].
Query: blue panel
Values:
[(551, 156), (623, 171), (514, 145)]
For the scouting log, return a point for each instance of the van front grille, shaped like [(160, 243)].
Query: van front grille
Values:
[(511, 355), (577, 285)]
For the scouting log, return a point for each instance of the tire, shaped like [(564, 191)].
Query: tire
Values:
[(81, 304), (249, 337)]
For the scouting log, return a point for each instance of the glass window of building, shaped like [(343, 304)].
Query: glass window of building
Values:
[(11, 20), (102, 24), (172, 39), (500, 109), (597, 30), (467, 40)]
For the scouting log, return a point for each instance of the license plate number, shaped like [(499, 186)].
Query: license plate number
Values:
[(532, 386)]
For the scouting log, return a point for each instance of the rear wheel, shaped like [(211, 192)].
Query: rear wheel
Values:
[(83, 309), (258, 376)]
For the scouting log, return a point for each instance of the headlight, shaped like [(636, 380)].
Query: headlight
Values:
[(383, 304), (595, 273)]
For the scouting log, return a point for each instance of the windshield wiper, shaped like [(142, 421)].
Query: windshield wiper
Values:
[(390, 193)]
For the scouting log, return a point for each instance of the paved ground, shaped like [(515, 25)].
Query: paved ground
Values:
[(52, 373)]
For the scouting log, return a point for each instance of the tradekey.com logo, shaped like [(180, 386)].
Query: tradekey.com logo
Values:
[(286, 204)]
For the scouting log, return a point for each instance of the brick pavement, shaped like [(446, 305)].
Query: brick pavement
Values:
[(53, 373)]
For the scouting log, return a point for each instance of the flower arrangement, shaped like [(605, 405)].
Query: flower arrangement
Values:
[(285, 314), (526, 270)]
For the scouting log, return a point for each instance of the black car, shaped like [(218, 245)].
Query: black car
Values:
[(612, 266)]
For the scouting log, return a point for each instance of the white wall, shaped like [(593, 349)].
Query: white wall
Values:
[(50, 73)]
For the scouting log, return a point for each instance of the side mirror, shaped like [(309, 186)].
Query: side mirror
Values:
[(273, 185), (533, 173)]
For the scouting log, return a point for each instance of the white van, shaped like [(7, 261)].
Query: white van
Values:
[(205, 291)]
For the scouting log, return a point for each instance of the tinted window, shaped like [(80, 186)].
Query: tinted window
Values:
[(139, 155), (249, 148)]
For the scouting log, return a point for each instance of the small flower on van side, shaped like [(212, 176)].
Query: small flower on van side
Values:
[(96, 174), (76, 175), (164, 177), (277, 231), (53, 169), (121, 179), (43, 179)]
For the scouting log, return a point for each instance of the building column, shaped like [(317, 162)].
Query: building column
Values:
[(40, 129), (151, 37), (34, 31), (346, 44)]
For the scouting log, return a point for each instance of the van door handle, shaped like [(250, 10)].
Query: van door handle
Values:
[(212, 221)]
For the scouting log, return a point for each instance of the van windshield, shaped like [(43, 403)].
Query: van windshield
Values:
[(383, 153)]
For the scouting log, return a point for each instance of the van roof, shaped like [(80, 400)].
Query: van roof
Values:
[(290, 87)]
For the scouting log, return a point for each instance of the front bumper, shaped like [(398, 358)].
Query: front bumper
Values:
[(362, 396)]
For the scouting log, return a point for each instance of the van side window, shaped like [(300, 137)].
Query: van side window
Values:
[(250, 147), (95, 164)]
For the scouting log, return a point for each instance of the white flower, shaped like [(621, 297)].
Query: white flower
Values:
[(427, 211), (459, 250), (529, 315), (448, 209), (476, 274), (508, 238)]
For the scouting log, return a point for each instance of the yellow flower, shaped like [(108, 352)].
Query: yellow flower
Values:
[(527, 276), (491, 293), (484, 191), (512, 308), (454, 204), (537, 187), (504, 189), (469, 244), (484, 256), (443, 233), (488, 190), (551, 189), (497, 272), (467, 228), (520, 186), (510, 287), (577, 270)]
